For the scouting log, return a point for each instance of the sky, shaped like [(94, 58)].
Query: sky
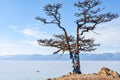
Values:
[(19, 31)]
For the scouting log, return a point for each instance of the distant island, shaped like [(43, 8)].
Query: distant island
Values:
[(64, 57)]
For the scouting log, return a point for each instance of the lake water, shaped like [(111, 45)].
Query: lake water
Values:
[(40, 70)]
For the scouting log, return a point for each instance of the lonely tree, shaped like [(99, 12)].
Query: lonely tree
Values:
[(88, 17)]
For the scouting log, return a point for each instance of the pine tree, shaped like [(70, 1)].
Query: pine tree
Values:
[(88, 17)]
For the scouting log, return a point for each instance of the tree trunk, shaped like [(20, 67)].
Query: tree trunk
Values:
[(76, 62)]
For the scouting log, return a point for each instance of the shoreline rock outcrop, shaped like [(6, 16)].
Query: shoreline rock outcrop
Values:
[(107, 72)]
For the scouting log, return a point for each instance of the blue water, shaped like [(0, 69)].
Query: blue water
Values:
[(41, 70)]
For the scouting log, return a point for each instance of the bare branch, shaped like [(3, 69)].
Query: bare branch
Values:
[(57, 51), (45, 20), (87, 45), (87, 4), (88, 28), (53, 12), (89, 15)]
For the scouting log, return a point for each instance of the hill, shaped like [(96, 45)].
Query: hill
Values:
[(64, 57)]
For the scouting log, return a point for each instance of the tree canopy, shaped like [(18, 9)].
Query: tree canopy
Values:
[(89, 15)]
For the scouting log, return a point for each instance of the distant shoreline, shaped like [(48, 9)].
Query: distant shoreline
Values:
[(64, 57)]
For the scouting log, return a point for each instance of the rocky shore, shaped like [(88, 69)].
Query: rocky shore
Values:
[(103, 74)]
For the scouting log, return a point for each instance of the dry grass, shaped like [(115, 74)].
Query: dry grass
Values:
[(85, 77), (103, 74)]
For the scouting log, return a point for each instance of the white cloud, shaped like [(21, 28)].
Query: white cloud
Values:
[(25, 47), (108, 36), (14, 28), (31, 31), (31, 43), (8, 49)]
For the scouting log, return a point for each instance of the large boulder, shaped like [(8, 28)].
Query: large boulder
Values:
[(107, 72)]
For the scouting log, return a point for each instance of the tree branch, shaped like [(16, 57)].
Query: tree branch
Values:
[(53, 12)]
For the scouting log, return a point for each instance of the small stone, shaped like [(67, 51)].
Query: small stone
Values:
[(95, 74), (49, 79), (69, 74)]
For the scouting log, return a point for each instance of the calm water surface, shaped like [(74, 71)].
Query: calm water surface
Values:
[(40, 70)]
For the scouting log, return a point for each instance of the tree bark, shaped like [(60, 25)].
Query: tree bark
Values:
[(76, 58), (76, 62)]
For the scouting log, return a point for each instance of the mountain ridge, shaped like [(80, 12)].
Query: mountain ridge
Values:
[(64, 57)]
